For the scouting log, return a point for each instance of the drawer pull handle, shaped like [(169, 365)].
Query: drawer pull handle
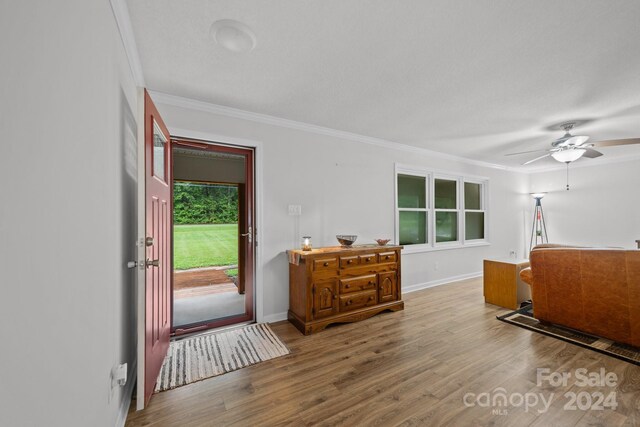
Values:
[(372, 283), (326, 264), (370, 298), (335, 296), (350, 261), (367, 259), (347, 286), (348, 302), (387, 257)]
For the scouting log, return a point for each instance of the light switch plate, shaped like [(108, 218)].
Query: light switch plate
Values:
[(295, 210)]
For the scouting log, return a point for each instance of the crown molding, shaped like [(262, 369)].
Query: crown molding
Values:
[(192, 104), (123, 20)]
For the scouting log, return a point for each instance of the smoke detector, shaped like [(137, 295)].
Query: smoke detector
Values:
[(232, 35)]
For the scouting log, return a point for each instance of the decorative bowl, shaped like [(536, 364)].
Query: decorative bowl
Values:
[(346, 239), (383, 242)]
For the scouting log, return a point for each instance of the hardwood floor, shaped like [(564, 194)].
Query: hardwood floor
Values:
[(410, 368)]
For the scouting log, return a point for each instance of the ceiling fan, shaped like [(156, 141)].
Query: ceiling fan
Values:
[(570, 148)]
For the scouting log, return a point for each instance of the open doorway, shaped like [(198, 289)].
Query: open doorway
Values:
[(212, 236)]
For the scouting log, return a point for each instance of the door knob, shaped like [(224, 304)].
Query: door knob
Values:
[(148, 241), (248, 234), (152, 263)]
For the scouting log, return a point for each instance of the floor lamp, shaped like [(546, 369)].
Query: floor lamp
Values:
[(539, 228)]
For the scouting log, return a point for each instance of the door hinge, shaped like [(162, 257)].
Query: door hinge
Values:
[(313, 289)]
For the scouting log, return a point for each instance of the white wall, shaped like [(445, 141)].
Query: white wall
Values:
[(67, 213), (600, 209), (348, 187)]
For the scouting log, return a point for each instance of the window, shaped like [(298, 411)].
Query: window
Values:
[(446, 209), (159, 152), (412, 209), (473, 211), (439, 211)]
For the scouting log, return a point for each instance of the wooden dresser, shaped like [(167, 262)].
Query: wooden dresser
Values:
[(336, 284)]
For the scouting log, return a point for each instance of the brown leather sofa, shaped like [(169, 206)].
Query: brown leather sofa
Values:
[(589, 289)]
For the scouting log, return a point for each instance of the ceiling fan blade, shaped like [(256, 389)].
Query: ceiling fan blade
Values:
[(591, 153), (576, 140), (525, 152), (613, 142), (536, 159)]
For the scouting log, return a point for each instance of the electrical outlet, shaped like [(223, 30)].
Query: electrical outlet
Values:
[(295, 210), (119, 376)]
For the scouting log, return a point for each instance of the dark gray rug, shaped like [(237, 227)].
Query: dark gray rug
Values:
[(524, 319)]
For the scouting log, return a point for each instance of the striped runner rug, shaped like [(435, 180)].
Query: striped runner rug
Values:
[(204, 356)]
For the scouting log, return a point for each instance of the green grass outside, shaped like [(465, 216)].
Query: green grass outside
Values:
[(205, 245)]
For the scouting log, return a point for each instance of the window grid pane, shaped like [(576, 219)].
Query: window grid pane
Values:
[(472, 196), (446, 196), (474, 225), (412, 227), (159, 152), (412, 191), (446, 226)]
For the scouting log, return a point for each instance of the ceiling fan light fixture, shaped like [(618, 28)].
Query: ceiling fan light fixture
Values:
[(568, 156)]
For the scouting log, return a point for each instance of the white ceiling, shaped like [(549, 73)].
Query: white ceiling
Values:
[(473, 78)]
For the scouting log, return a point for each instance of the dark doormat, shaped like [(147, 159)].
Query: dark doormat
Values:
[(523, 318)]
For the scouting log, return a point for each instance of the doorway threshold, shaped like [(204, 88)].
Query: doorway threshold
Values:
[(205, 330)]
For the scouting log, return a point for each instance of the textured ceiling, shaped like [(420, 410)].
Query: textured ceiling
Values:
[(473, 78)]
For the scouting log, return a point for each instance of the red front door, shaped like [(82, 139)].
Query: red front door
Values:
[(158, 244)]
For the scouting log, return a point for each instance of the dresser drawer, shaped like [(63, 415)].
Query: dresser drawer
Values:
[(349, 261), (324, 264), (387, 257), (368, 259), (358, 300), (357, 284)]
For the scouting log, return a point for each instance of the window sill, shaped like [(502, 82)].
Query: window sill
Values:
[(413, 249)]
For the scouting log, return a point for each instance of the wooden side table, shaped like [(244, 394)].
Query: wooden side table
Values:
[(502, 284)]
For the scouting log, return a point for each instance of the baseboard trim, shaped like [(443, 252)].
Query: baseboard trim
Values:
[(276, 317), (440, 282), (127, 395)]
